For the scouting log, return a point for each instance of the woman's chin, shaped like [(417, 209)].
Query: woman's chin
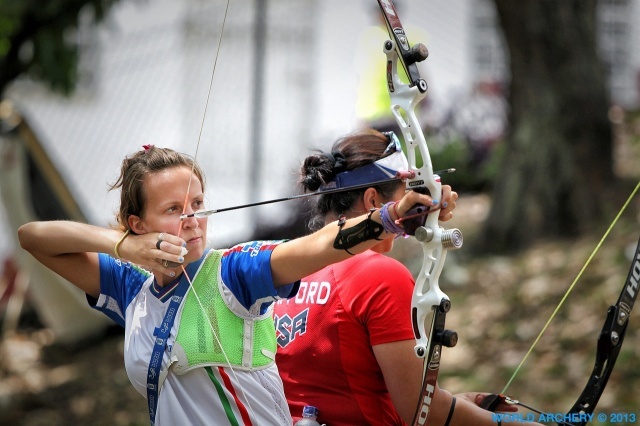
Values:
[(194, 254)]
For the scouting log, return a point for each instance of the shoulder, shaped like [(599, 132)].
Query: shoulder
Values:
[(252, 248), (120, 282), (116, 270), (380, 290), (372, 279), (372, 263), (248, 261), (246, 271)]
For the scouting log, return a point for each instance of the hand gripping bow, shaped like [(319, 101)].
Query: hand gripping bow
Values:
[(421, 221)]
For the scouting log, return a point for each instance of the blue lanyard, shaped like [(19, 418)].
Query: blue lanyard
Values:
[(162, 333)]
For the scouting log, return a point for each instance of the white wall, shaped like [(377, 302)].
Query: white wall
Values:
[(152, 84)]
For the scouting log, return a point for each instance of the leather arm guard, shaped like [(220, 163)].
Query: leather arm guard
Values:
[(366, 230)]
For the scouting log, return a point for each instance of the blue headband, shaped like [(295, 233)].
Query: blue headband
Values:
[(382, 169)]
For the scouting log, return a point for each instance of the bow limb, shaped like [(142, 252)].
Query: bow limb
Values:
[(609, 341), (613, 332), (428, 301)]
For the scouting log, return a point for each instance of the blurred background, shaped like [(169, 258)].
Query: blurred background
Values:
[(535, 103)]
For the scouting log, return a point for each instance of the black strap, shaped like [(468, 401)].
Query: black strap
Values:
[(162, 333), (453, 406)]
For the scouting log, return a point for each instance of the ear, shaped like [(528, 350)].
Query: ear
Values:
[(371, 199), (136, 225)]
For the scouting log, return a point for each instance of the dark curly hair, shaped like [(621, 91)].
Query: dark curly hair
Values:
[(348, 153)]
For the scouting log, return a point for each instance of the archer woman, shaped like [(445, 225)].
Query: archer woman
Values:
[(346, 342), (199, 337)]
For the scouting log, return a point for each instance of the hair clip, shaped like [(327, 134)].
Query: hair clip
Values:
[(394, 143), (147, 147)]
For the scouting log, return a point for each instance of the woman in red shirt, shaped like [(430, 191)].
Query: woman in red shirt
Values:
[(345, 342)]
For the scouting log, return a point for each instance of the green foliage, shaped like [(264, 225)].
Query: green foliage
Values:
[(454, 154), (633, 132), (453, 151), (491, 166), (7, 26), (470, 175), (38, 39)]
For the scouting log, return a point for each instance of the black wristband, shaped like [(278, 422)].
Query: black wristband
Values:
[(453, 406)]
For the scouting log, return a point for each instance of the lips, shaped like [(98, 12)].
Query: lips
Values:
[(194, 241)]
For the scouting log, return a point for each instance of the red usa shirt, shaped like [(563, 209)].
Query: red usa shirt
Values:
[(326, 332)]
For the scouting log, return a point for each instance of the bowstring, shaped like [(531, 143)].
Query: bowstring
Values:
[(573, 284), (186, 202)]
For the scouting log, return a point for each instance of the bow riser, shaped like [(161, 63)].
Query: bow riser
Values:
[(427, 296), (434, 240), (428, 299), (410, 55), (404, 100)]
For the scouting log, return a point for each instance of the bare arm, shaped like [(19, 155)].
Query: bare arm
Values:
[(466, 411), (71, 249), (402, 372), (298, 258)]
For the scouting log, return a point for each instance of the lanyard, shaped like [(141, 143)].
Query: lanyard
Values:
[(162, 333)]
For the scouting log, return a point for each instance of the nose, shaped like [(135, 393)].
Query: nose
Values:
[(189, 222)]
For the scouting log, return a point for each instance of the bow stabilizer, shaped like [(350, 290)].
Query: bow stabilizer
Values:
[(428, 300)]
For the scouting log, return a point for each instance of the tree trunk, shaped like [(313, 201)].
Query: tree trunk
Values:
[(558, 154)]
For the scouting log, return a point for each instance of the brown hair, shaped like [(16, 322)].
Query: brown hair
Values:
[(133, 172), (348, 153)]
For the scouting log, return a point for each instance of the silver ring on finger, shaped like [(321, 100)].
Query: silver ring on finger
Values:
[(160, 235)]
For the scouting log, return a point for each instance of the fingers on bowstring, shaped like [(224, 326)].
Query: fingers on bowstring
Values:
[(174, 249), (168, 264), (171, 239), (170, 252)]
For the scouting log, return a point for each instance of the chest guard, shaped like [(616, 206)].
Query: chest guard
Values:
[(249, 342)]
